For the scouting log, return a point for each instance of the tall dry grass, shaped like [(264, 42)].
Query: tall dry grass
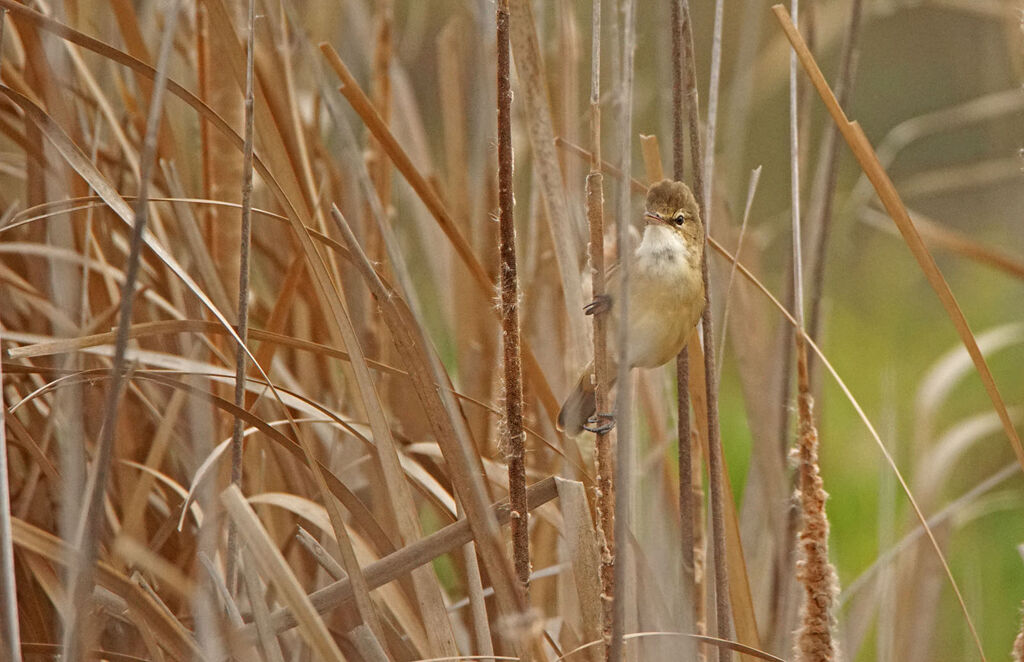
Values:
[(250, 294)]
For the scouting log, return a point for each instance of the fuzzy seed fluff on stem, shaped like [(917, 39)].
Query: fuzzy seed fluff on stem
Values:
[(814, 641)]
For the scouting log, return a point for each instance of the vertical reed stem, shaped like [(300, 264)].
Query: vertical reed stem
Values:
[(513, 376), (623, 406), (715, 462), (685, 452), (241, 359), (605, 439)]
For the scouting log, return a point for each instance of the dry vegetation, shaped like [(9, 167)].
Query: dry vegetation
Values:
[(261, 391)]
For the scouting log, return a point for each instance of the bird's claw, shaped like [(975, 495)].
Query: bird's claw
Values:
[(602, 303), (600, 423)]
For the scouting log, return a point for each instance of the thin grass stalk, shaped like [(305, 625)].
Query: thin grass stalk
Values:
[(513, 372), (755, 177), (86, 539), (713, 86), (623, 405), (9, 605), (685, 462), (605, 439), (241, 359), (794, 177), (823, 196), (715, 462)]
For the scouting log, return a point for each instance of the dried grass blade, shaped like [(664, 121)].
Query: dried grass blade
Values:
[(355, 96), (399, 495), (868, 160), (404, 560), (270, 647), (275, 568), (464, 465), (168, 631)]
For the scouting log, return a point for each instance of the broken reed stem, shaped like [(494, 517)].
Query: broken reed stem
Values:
[(241, 359), (715, 462), (89, 523), (606, 439), (685, 440), (814, 641), (513, 375), (869, 163)]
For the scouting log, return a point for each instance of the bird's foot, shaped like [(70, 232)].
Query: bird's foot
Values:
[(602, 303), (600, 423)]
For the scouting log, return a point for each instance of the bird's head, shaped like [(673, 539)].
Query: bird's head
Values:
[(671, 203)]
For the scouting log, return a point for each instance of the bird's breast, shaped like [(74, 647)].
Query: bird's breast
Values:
[(666, 300)]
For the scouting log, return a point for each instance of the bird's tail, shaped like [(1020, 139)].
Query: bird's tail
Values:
[(580, 405)]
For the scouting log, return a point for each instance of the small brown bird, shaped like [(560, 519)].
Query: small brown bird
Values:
[(666, 295)]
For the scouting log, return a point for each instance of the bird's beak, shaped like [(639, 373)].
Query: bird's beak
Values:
[(653, 218)]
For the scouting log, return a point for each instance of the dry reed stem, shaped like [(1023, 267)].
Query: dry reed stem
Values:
[(605, 440), (623, 405), (692, 601), (9, 600), (512, 422), (715, 460), (243, 287), (814, 637)]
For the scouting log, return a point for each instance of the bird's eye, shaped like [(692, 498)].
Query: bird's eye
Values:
[(678, 219)]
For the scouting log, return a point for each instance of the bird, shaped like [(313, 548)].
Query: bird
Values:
[(666, 298)]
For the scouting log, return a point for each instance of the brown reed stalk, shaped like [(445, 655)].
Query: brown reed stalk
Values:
[(87, 536), (514, 438), (241, 359), (685, 453), (715, 461), (623, 404), (814, 641), (605, 439)]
